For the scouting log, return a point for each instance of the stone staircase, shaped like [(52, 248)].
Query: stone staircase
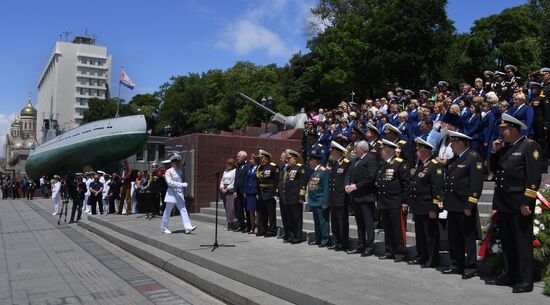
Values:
[(208, 214)]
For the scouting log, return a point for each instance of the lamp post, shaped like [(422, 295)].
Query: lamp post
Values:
[(267, 102)]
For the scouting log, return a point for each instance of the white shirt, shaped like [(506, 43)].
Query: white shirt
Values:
[(88, 186), (174, 180), (56, 190), (228, 179), (106, 187)]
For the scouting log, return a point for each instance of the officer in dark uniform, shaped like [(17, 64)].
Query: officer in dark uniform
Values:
[(293, 188), (373, 137), (268, 178), (423, 198), (286, 235), (392, 183), (317, 199), (356, 136), (545, 74), (501, 87), (338, 199), (463, 186), (403, 150), (518, 176)]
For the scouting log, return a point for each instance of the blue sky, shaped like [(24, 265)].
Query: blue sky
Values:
[(154, 40)]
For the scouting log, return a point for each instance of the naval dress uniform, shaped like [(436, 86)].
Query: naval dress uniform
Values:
[(293, 189), (392, 183), (518, 176), (462, 189), (317, 199), (424, 196), (175, 196), (268, 178), (339, 203)]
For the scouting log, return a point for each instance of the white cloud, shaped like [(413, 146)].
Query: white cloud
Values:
[(5, 123), (254, 31)]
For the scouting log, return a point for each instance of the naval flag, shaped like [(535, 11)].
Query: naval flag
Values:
[(125, 80)]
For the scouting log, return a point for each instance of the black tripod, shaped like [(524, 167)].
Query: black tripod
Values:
[(64, 204), (215, 245)]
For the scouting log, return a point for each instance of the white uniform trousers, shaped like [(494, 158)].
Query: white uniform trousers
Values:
[(183, 212), (57, 202)]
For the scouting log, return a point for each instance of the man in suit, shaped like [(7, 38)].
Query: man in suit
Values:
[(286, 234), (293, 190), (317, 199), (338, 199), (268, 179), (518, 177), (392, 183), (243, 217), (463, 186), (423, 198), (360, 186)]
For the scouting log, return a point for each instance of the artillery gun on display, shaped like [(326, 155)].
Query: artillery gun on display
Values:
[(282, 121)]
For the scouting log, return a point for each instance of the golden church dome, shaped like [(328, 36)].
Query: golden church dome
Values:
[(28, 110)]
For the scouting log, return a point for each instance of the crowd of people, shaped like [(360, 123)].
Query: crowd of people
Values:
[(388, 157)]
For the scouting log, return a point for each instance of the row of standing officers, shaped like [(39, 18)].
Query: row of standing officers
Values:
[(378, 183)]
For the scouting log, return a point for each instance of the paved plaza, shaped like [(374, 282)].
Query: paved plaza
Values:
[(43, 263)]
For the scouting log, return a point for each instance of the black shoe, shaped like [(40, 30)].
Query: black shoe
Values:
[(295, 241), (501, 280), (321, 245), (354, 251), (425, 266), (521, 288), (72, 221), (260, 234), (311, 243), (282, 237), (367, 253), (267, 235), (468, 275), (286, 240), (450, 270), (387, 256), (399, 258), (416, 261), (331, 247)]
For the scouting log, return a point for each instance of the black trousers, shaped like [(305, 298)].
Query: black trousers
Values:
[(427, 239), (112, 204), (284, 209), (516, 235), (393, 231), (462, 240), (364, 217), (295, 221), (268, 221), (93, 200), (339, 223), (242, 217), (144, 202), (77, 207)]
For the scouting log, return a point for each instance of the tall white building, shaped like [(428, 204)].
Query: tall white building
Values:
[(75, 73)]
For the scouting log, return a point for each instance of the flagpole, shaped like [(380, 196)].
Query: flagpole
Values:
[(118, 99)]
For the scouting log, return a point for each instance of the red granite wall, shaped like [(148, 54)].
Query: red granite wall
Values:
[(211, 151)]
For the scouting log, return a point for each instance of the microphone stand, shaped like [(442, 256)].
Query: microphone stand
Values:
[(216, 245)]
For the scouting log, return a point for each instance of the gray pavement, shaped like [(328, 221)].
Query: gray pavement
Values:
[(309, 275), (43, 263)]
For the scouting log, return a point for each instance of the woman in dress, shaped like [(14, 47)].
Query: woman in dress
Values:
[(250, 187), (227, 184)]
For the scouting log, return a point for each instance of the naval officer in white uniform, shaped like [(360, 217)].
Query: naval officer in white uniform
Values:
[(56, 194), (174, 195)]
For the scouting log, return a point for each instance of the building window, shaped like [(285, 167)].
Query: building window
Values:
[(151, 152), (139, 155)]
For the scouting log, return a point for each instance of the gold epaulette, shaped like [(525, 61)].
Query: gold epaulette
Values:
[(401, 142), (379, 142), (472, 199), (298, 164), (323, 168), (434, 161), (530, 193), (436, 201), (272, 164), (398, 159), (345, 160), (302, 192)]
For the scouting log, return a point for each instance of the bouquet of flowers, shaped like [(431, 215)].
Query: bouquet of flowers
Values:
[(541, 232), (490, 249)]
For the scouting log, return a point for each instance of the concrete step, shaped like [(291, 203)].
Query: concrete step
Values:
[(224, 288), (308, 217), (234, 286)]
